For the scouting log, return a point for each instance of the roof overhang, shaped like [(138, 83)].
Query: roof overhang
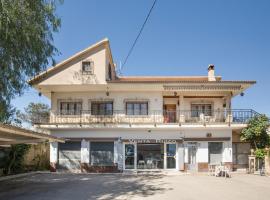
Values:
[(10, 134), (226, 87)]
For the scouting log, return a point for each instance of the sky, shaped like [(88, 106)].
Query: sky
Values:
[(181, 37)]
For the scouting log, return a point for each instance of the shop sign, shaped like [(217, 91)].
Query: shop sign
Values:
[(152, 140)]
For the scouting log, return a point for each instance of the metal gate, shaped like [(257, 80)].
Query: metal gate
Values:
[(69, 156)]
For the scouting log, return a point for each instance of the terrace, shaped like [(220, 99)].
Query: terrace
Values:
[(224, 116)]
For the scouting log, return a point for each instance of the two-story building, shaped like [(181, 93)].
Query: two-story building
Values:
[(116, 123)]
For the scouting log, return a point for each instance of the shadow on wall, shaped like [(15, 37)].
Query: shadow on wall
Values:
[(84, 186)]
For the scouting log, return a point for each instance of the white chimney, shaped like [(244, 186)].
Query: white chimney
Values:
[(211, 73)]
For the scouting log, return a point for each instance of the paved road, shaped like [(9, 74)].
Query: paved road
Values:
[(90, 186)]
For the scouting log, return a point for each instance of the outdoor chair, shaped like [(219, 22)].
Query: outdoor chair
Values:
[(141, 164)]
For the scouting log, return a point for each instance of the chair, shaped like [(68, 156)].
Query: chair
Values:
[(141, 164)]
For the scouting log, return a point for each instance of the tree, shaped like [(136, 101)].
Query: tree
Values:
[(34, 113), (26, 45), (256, 132)]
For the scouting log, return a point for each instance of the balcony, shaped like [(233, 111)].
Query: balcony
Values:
[(232, 116)]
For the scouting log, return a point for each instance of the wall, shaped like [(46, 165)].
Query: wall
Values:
[(38, 157), (154, 98), (71, 73)]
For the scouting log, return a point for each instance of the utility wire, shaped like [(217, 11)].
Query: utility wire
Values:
[(140, 32)]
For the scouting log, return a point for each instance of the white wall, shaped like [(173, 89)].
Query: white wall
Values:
[(71, 73), (53, 152), (119, 98)]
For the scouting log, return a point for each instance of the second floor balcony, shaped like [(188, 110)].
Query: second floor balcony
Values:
[(224, 116)]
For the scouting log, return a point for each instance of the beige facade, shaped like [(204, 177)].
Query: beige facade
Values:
[(90, 103)]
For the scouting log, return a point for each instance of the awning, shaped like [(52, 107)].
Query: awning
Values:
[(10, 134)]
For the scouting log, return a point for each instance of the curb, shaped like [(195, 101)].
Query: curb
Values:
[(22, 175)]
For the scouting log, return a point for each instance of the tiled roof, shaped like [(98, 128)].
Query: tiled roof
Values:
[(173, 79)]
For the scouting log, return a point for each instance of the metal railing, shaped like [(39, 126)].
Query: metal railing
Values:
[(237, 116)]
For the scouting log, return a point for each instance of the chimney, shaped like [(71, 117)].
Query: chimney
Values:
[(211, 73)]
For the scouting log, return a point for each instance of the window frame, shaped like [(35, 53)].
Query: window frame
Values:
[(68, 111), (99, 110), (91, 65), (197, 112), (140, 109)]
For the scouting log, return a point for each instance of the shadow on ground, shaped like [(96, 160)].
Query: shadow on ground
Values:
[(82, 186)]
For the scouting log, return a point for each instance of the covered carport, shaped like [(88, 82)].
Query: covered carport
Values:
[(10, 134)]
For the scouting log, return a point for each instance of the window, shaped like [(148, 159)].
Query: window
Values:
[(88, 67), (215, 152), (197, 109), (102, 108), (70, 108), (102, 153), (137, 108)]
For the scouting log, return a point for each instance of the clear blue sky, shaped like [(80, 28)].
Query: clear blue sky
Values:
[(180, 38)]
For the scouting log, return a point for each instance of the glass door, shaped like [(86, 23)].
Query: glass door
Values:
[(129, 156), (170, 156)]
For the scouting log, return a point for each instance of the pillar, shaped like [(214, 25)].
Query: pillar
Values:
[(53, 156), (85, 155), (182, 109), (118, 154), (181, 157)]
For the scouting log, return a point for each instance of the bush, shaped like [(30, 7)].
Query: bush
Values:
[(14, 159)]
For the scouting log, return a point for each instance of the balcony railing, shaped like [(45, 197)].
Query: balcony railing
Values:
[(237, 116)]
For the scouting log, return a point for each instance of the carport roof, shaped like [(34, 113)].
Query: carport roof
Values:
[(10, 134)]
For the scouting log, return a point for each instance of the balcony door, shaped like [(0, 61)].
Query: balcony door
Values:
[(170, 113)]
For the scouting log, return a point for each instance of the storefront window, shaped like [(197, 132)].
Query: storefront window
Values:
[(129, 156), (171, 152), (215, 152), (102, 153), (150, 156)]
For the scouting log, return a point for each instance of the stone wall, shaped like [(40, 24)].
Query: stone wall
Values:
[(38, 157)]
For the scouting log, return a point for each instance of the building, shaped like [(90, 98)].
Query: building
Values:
[(116, 123)]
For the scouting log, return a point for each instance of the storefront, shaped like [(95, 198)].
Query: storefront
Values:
[(148, 154)]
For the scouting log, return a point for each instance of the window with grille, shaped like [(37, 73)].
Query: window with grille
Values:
[(88, 67), (102, 108), (197, 109), (137, 108), (70, 108)]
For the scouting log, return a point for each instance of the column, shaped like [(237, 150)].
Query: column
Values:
[(118, 154), (181, 157), (53, 156), (227, 154), (181, 109), (85, 155)]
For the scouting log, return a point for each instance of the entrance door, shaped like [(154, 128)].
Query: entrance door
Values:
[(192, 150), (129, 162), (171, 156), (150, 156), (170, 113)]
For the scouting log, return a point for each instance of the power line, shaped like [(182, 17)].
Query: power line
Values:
[(140, 32)]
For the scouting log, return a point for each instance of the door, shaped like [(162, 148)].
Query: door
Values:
[(170, 156), (192, 150), (129, 162), (169, 113), (69, 156)]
